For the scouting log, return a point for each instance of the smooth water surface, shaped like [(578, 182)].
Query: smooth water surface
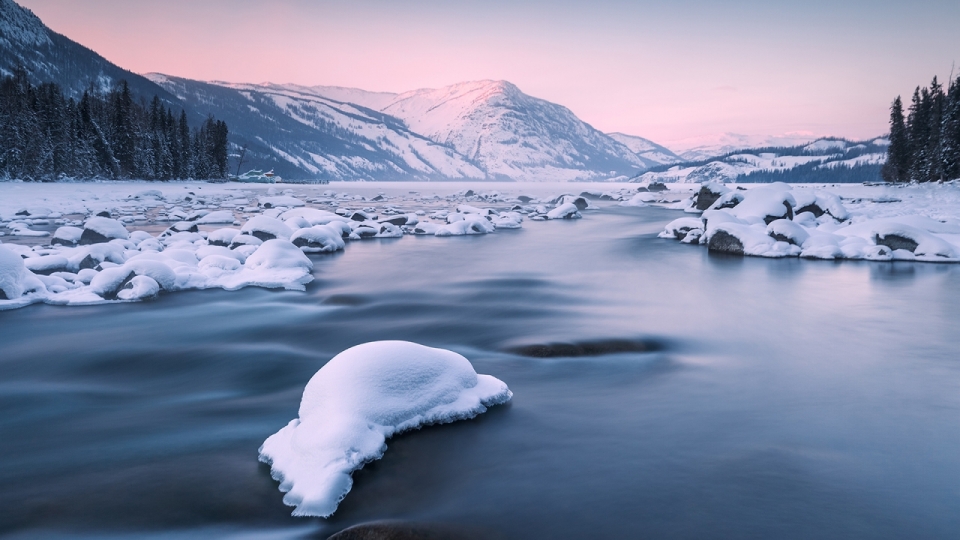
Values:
[(788, 398)]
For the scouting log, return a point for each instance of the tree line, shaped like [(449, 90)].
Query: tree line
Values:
[(46, 136), (925, 146)]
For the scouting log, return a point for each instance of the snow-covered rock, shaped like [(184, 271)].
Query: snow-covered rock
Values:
[(266, 228), (97, 230), (67, 236), (357, 401), (15, 279), (222, 237), (565, 211), (319, 239), (139, 288)]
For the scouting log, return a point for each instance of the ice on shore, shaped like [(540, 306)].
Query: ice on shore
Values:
[(358, 400)]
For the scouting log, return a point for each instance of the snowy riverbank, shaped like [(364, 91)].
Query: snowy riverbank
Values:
[(89, 243)]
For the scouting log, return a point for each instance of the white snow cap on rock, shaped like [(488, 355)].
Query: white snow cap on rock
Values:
[(109, 228), (266, 228), (360, 398), (15, 279)]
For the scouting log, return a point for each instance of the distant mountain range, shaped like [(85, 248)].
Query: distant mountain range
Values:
[(826, 160), (486, 130)]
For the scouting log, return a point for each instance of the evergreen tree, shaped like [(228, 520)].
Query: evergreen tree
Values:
[(124, 138), (950, 133), (934, 147), (45, 136), (897, 167)]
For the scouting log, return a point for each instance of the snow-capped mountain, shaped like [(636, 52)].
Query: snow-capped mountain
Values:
[(514, 135), (51, 57), (484, 129), (476, 130), (826, 160), (321, 137), (650, 152)]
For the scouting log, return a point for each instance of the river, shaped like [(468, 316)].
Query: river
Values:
[(776, 398)]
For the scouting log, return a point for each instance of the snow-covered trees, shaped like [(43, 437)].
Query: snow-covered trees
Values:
[(46, 136), (926, 146)]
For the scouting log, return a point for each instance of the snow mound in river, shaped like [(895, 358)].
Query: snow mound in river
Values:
[(360, 398)]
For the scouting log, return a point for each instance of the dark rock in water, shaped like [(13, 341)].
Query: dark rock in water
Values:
[(469, 193), (812, 208), (303, 242), (89, 262), (524, 199), (185, 226), (895, 242), (586, 348), (787, 214), (220, 243), (591, 196), (642, 189), (112, 294), (706, 197), (366, 232), (347, 300), (732, 203), (90, 236), (399, 531), (399, 221), (379, 198), (262, 235), (725, 242), (103, 213), (21, 213), (360, 216), (3, 295), (581, 203), (657, 186), (784, 238), (62, 242)]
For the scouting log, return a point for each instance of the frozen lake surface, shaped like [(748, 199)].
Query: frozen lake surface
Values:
[(779, 398)]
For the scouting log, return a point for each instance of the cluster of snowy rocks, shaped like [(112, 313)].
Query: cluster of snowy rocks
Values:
[(776, 220), (99, 260)]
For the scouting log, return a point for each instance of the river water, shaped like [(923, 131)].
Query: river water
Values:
[(779, 398)]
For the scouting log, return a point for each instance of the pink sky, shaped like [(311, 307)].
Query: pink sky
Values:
[(667, 71)]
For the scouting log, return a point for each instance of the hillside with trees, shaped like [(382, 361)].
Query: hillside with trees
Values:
[(925, 145), (46, 136)]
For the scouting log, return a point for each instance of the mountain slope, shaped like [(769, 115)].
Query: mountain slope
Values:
[(479, 130), (301, 134), (513, 135), (650, 152), (51, 57)]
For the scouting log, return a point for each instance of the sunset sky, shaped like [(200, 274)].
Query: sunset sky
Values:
[(670, 71)]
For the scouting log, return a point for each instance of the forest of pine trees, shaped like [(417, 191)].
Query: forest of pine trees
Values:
[(925, 146), (45, 136)]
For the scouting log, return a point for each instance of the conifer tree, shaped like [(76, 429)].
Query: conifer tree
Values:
[(897, 167), (45, 135), (950, 133)]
